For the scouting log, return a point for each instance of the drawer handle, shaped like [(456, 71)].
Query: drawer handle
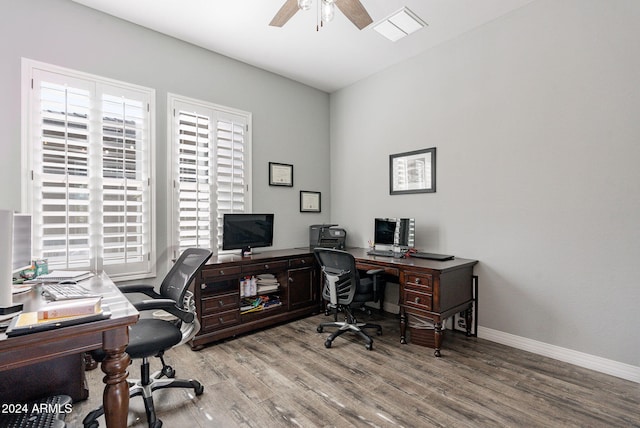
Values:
[(417, 280), (266, 266), (221, 320), (417, 300), (290, 280), (304, 261), (220, 302), (221, 272)]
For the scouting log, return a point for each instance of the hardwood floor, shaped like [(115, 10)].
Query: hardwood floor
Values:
[(285, 377)]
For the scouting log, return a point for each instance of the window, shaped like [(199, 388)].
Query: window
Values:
[(88, 146), (211, 165)]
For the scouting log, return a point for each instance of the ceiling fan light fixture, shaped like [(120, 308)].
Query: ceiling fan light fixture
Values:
[(304, 4), (327, 11)]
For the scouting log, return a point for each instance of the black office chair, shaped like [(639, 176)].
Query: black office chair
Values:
[(344, 289), (152, 337)]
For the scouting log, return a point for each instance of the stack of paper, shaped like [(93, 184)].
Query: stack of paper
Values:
[(267, 283)]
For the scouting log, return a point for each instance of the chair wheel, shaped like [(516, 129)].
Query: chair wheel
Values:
[(92, 424), (198, 388), (319, 329), (327, 344), (368, 346), (157, 424), (169, 372)]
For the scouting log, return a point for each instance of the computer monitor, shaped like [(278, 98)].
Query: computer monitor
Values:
[(384, 231), (22, 242), (390, 232), (243, 231)]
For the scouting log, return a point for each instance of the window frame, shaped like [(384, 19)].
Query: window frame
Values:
[(30, 102), (172, 204)]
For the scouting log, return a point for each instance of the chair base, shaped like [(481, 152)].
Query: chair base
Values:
[(355, 327), (144, 387)]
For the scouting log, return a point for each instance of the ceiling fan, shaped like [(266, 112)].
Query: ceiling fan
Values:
[(352, 9)]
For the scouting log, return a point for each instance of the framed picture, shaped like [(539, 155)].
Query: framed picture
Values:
[(413, 172), (309, 202), (280, 174)]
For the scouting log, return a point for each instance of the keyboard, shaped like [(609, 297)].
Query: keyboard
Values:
[(383, 253), (66, 292), (431, 256)]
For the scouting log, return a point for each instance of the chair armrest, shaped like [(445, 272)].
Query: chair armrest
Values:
[(165, 305), (146, 289)]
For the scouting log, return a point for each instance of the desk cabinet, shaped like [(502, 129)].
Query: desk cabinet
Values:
[(430, 291), (217, 292), (432, 296)]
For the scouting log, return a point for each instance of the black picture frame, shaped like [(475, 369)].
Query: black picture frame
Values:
[(310, 202), (280, 174), (413, 172)]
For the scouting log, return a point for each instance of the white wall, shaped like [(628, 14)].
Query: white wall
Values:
[(535, 120), (290, 120)]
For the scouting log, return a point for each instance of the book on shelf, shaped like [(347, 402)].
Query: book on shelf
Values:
[(70, 308), (267, 288), (63, 275)]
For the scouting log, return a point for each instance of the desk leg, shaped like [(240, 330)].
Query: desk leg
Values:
[(116, 391), (403, 327), (437, 338), (468, 319)]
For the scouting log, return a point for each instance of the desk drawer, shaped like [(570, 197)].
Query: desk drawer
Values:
[(212, 274), (220, 320), (220, 303), (301, 262), (417, 297), (265, 267), (419, 281)]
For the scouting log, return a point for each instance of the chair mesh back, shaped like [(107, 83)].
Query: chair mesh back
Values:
[(184, 270), (343, 265)]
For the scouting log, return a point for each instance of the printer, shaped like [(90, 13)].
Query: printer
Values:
[(327, 236)]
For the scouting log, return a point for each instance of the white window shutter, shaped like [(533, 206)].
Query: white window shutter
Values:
[(91, 159), (210, 148)]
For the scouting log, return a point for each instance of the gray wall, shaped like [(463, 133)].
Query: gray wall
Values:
[(535, 120), (290, 120)]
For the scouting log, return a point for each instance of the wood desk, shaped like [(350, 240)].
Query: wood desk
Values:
[(429, 290), (111, 334)]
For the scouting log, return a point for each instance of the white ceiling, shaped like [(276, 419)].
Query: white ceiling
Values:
[(332, 58)]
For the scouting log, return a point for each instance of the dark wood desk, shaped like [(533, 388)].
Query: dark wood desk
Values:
[(430, 290), (110, 334)]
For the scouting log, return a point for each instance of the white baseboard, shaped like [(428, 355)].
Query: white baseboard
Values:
[(599, 364)]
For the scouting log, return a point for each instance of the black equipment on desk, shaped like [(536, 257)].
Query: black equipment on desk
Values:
[(327, 236)]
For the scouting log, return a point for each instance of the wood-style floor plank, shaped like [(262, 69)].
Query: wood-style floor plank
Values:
[(285, 377)]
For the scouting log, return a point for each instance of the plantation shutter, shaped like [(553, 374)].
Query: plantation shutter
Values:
[(61, 165), (90, 151), (230, 167), (194, 180), (211, 171)]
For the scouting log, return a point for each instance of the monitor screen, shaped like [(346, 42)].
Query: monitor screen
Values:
[(395, 231), (21, 242), (244, 231), (385, 231)]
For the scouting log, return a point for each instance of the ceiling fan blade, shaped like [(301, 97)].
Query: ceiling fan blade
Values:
[(288, 9), (355, 11)]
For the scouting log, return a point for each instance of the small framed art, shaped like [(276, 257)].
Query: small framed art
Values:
[(309, 201), (413, 172), (280, 174)]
